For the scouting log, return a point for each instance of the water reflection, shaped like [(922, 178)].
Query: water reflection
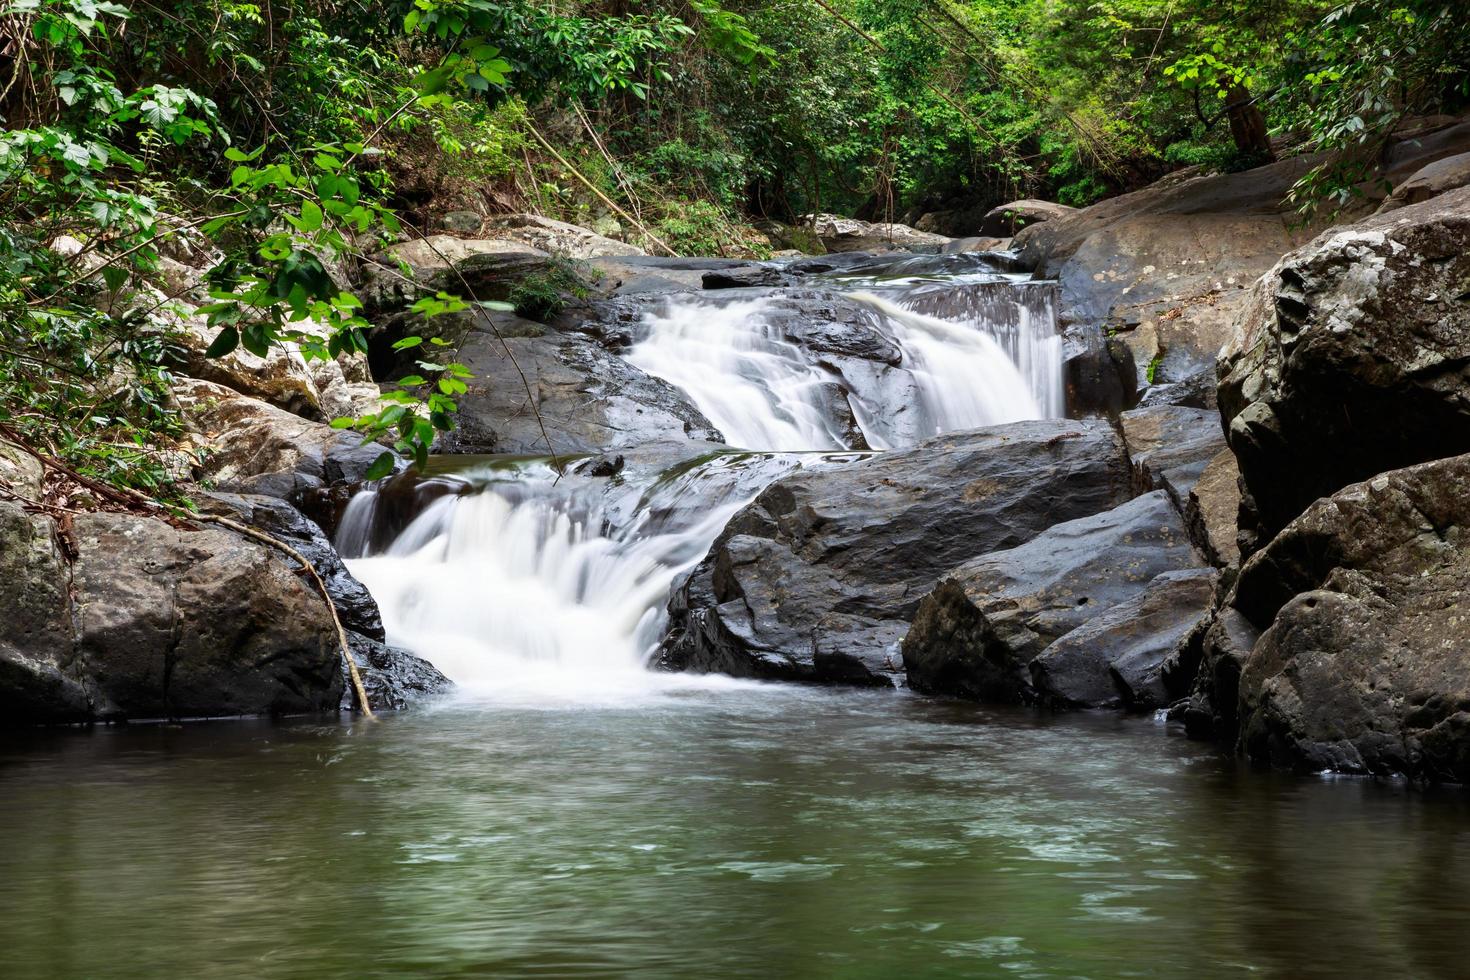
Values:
[(750, 833)]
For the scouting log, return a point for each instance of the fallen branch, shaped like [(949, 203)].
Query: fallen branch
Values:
[(266, 539)]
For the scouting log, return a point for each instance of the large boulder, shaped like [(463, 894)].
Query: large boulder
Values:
[(442, 263), (1167, 269), (817, 578), (251, 447), (559, 237), (978, 632), (1345, 645), (1117, 658), (1353, 358), (582, 398), (852, 235), (149, 620), (316, 389), (1004, 220)]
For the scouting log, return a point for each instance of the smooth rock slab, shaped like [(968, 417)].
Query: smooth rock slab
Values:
[(1117, 657), (837, 559), (978, 632)]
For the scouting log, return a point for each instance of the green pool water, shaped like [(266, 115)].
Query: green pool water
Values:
[(735, 831)]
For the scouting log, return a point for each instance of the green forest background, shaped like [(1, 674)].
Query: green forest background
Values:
[(295, 134)]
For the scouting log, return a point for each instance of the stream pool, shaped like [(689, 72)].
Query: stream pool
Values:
[(711, 829)]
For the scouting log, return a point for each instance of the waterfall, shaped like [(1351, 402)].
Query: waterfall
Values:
[(760, 390), (544, 588), (550, 589)]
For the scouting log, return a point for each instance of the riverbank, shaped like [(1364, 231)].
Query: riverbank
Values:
[(1141, 553)]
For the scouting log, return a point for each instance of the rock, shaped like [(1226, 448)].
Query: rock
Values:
[(851, 235), (1441, 176), (558, 237), (443, 263), (1352, 358), (1363, 606), (608, 227), (1170, 446), (745, 276), (816, 578), (156, 622), (1196, 391), (38, 684), (252, 447), (1117, 657), (1211, 513), (462, 222), (1168, 268), (1099, 373), (393, 678), (355, 605), (588, 399), (976, 634), (976, 244), (20, 471), (1005, 220), (281, 378)]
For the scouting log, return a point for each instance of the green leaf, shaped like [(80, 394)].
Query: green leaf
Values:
[(412, 381), (227, 340), (381, 467), (311, 216), (343, 422), (407, 342)]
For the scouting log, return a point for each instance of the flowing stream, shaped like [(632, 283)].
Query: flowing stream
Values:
[(573, 814), (534, 588)]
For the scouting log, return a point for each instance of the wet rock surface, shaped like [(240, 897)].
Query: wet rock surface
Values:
[(838, 559), (1344, 645), (581, 398), (977, 634)]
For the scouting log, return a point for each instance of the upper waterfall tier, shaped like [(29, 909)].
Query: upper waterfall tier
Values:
[(905, 361)]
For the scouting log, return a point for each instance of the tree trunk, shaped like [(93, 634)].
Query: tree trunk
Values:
[(1247, 124)]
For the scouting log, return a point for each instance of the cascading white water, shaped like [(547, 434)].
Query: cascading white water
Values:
[(545, 591), (760, 390)]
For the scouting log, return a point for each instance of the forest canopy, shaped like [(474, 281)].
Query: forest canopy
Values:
[(292, 134)]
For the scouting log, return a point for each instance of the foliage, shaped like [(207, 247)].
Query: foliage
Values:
[(542, 295)]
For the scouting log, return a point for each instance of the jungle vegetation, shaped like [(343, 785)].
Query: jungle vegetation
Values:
[(290, 136)]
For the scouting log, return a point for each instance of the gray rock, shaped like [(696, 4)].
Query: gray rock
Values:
[(1213, 509), (1005, 220), (1169, 267), (588, 399), (978, 632), (559, 237), (150, 621), (1118, 656), (851, 235), (486, 268), (462, 222), (252, 447), (745, 276), (1170, 446), (836, 560), (1448, 174), (1353, 358), (1350, 646)]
